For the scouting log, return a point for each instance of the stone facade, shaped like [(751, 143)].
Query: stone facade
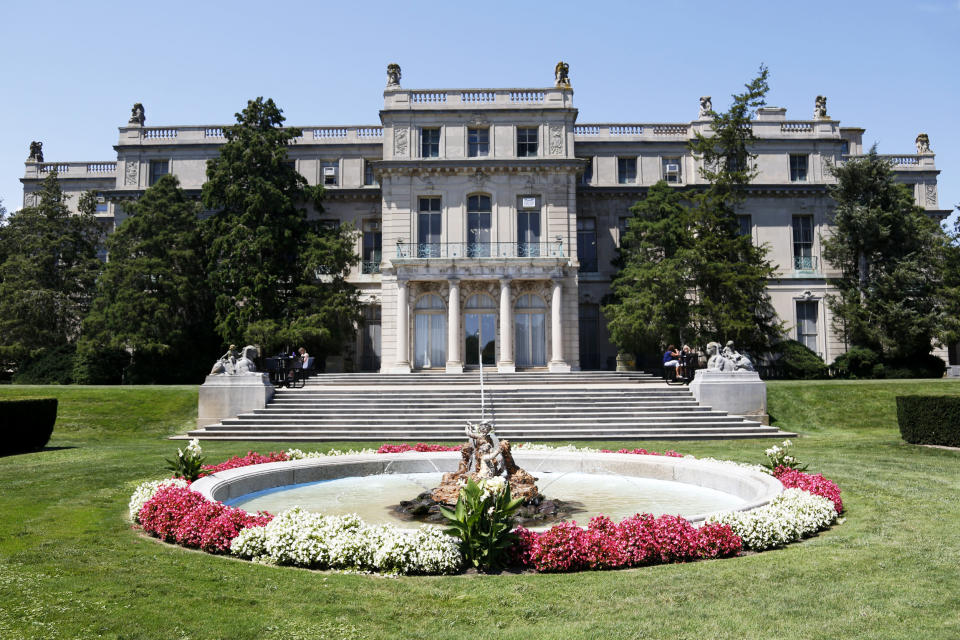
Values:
[(495, 213)]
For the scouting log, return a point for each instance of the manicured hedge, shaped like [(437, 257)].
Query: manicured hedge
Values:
[(929, 419), (26, 424)]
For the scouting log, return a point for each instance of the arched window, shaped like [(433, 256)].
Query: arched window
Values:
[(530, 321), (478, 226), (430, 339)]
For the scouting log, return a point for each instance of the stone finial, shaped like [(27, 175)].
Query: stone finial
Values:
[(561, 74), (137, 115), (820, 108), (36, 152), (706, 106), (923, 143), (393, 75)]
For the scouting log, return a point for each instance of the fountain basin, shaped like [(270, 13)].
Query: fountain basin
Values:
[(749, 488)]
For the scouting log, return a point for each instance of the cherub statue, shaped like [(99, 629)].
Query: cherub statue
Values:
[(923, 143), (486, 448), (820, 108), (393, 75), (36, 152), (561, 74), (137, 115), (706, 106), (227, 364)]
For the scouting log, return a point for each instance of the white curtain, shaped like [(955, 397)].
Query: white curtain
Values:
[(422, 340), (438, 340), (522, 341), (538, 339)]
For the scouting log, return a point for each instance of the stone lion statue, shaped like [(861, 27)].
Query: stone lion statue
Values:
[(716, 361), (561, 74), (923, 143), (236, 364), (245, 363)]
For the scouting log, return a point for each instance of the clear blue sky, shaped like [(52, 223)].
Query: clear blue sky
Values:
[(71, 70)]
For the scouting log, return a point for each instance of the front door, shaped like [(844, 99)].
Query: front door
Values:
[(481, 338)]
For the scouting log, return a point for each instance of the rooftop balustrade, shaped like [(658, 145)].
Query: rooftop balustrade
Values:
[(397, 98), (655, 131), (214, 134), (96, 169)]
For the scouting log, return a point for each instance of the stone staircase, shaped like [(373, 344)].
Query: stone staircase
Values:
[(525, 406)]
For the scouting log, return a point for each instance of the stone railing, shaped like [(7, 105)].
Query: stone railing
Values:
[(214, 134), (396, 98), (651, 131), (796, 127), (902, 161), (95, 169), (479, 250)]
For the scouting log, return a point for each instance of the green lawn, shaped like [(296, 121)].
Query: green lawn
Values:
[(71, 567)]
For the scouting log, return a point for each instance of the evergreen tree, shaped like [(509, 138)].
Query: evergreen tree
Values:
[(730, 274), (277, 278), (892, 257), (47, 274), (153, 301), (647, 306)]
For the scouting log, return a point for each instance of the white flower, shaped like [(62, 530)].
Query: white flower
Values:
[(194, 448), (792, 515)]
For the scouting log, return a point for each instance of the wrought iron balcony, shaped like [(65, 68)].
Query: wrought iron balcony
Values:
[(805, 263), (371, 266), (480, 250)]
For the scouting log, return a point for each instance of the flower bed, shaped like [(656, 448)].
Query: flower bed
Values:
[(171, 511)]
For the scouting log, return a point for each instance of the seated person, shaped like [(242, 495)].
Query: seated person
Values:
[(688, 360), (671, 360)]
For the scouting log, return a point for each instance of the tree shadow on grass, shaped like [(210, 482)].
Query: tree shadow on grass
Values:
[(23, 453)]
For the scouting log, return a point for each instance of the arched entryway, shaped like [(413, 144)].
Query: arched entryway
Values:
[(530, 320), (430, 333)]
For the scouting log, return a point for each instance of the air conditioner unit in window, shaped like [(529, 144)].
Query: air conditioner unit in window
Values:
[(673, 168), (329, 171), (374, 226), (101, 199)]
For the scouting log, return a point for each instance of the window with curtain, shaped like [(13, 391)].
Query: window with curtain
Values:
[(478, 226), (430, 333), (807, 323), (530, 330), (429, 227)]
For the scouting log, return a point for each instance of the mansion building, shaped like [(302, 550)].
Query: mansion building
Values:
[(488, 218)]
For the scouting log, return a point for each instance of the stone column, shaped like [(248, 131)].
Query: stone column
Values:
[(454, 363), (506, 364), (402, 364), (557, 363)]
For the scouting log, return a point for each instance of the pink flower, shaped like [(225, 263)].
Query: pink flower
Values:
[(812, 483)]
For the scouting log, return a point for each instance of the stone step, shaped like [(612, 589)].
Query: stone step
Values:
[(349, 410), (457, 435)]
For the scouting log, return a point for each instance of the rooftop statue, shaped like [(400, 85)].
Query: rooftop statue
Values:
[(562, 74), (706, 106), (36, 152), (820, 108), (923, 143), (393, 75), (137, 115)]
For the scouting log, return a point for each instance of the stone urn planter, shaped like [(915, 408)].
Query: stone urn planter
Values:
[(626, 362)]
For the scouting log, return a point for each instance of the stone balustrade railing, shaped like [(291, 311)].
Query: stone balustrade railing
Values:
[(214, 134), (96, 169), (601, 131), (903, 161), (397, 98), (796, 127)]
